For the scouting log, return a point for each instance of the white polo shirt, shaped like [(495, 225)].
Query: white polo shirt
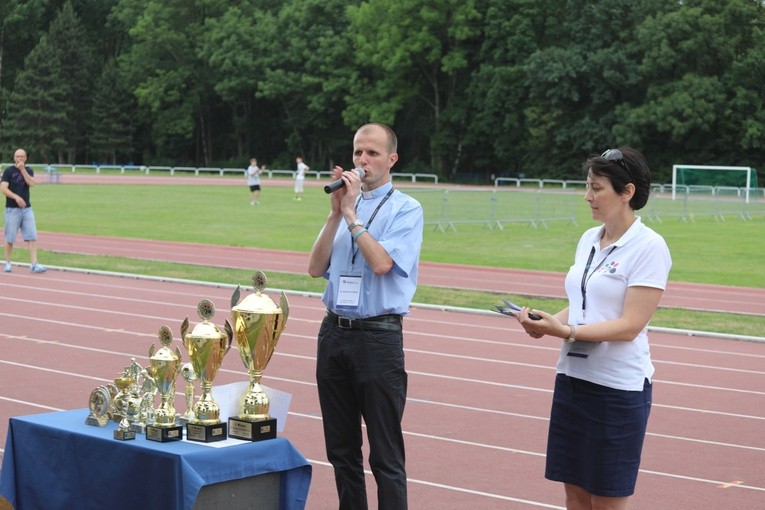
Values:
[(640, 258)]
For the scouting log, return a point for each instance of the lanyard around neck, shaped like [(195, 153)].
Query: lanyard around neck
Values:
[(586, 277), (354, 250)]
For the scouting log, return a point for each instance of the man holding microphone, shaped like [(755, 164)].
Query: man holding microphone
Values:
[(368, 250)]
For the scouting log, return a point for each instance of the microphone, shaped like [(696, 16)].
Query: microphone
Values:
[(336, 185)]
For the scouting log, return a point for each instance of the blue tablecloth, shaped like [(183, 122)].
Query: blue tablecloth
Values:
[(55, 461)]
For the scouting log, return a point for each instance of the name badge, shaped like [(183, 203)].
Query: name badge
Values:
[(580, 349), (348, 291)]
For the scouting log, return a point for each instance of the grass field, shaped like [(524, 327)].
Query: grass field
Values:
[(222, 215), (706, 251)]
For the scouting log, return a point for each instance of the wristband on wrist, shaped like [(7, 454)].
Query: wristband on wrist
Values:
[(572, 335), (357, 234)]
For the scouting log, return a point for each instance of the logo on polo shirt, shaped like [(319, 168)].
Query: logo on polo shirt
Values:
[(609, 268)]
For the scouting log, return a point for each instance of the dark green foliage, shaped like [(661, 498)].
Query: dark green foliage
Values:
[(474, 88), (111, 140)]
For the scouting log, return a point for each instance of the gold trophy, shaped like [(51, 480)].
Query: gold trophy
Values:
[(124, 432), (207, 345), (187, 372), (258, 324), (98, 404), (164, 367)]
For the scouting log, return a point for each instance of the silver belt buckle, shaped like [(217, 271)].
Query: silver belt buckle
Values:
[(344, 323)]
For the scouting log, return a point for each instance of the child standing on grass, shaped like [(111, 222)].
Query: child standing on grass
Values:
[(302, 168), (253, 181)]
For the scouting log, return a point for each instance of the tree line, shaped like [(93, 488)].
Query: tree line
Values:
[(473, 88)]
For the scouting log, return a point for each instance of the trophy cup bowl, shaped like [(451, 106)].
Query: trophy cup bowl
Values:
[(258, 325), (164, 367), (207, 345)]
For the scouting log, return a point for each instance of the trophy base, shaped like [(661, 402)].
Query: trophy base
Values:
[(96, 421), (252, 430), (138, 428), (206, 433), (124, 435), (164, 434)]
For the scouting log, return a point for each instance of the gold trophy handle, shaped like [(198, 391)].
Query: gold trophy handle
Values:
[(229, 335), (235, 296), (184, 330)]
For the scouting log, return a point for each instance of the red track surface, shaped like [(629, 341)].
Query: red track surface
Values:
[(535, 283), (478, 403), (479, 390)]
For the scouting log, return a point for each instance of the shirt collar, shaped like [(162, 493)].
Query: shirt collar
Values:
[(377, 192), (631, 232)]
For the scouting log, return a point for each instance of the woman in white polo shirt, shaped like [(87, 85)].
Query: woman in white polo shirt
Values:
[(603, 386)]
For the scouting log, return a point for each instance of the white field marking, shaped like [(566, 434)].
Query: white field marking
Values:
[(705, 411), (704, 441), (83, 308), (646, 471), (315, 295), (708, 351), (440, 376), (656, 473), (478, 358), (452, 309), (54, 304), (710, 367), (472, 340), (702, 480), (52, 371), (507, 362), (451, 440), (432, 353), (455, 489), (30, 404)]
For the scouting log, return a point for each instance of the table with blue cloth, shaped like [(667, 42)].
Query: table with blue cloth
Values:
[(55, 461)]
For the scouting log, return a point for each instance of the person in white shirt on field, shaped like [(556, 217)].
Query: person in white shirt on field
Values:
[(253, 181), (302, 168)]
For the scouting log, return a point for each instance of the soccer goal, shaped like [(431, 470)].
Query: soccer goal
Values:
[(714, 178)]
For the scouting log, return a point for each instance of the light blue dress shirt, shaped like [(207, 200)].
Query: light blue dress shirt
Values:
[(397, 226)]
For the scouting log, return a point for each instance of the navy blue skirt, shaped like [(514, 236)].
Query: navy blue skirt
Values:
[(596, 436)]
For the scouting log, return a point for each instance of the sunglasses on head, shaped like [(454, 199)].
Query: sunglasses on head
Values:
[(617, 157)]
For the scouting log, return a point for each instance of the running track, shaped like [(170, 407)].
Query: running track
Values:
[(746, 300), (476, 419), (479, 393)]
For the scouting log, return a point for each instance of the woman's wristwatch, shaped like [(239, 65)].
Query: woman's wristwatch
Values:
[(572, 335)]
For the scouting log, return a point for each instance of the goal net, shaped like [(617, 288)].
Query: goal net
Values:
[(713, 179)]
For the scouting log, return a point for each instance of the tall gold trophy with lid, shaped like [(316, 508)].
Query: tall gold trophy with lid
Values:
[(207, 345), (258, 324)]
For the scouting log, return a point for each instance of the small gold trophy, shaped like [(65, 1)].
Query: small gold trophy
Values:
[(207, 345), (258, 324), (124, 432), (187, 372), (99, 403), (164, 367)]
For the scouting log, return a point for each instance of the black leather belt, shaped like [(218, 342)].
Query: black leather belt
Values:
[(390, 322)]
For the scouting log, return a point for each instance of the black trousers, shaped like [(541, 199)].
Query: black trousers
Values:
[(360, 374)]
